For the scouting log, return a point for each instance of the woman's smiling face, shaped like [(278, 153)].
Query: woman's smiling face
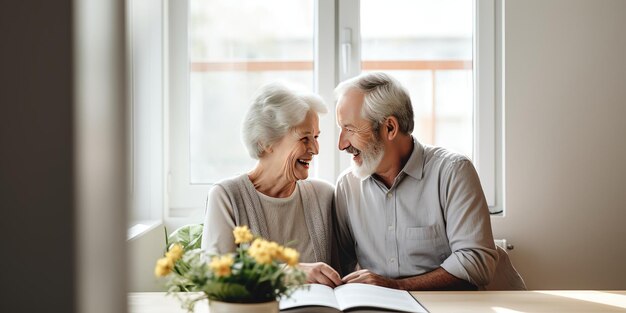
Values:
[(294, 152)]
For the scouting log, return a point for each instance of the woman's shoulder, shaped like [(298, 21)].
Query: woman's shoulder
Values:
[(226, 188), (230, 182), (319, 186)]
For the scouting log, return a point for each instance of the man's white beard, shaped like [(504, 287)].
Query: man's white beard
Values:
[(370, 159)]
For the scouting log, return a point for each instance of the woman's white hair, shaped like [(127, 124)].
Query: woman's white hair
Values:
[(275, 110), (384, 97)]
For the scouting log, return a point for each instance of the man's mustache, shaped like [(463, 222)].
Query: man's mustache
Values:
[(352, 150)]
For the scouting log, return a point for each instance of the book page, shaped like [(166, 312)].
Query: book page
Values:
[(317, 295), (364, 295)]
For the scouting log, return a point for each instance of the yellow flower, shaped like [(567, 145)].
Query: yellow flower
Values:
[(242, 234), (263, 257), (257, 244), (163, 267), (221, 265), (273, 249), (175, 253), (290, 256), (261, 250)]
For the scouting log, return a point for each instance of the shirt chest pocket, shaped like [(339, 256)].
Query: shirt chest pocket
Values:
[(422, 233), (426, 246)]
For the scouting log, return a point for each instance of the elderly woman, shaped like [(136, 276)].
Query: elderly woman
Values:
[(275, 199)]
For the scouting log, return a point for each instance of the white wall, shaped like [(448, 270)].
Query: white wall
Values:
[(100, 154), (143, 252), (565, 106)]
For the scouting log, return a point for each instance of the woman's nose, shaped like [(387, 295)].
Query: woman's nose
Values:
[(314, 147)]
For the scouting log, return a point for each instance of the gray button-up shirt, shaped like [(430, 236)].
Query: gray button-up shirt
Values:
[(434, 215)]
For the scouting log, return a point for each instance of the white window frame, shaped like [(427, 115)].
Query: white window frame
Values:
[(183, 206), (146, 41), (333, 49), (326, 61), (485, 88)]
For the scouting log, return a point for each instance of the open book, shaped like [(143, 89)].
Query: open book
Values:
[(352, 296)]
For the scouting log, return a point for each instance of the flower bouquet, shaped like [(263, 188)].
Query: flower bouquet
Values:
[(259, 271)]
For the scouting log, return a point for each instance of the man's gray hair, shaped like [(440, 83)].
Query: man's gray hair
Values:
[(384, 97), (274, 111)]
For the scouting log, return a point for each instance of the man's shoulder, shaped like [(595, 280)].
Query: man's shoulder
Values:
[(347, 177), (443, 156)]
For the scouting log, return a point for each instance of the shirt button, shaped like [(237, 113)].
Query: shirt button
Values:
[(390, 227), (392, 260), (389, 195)]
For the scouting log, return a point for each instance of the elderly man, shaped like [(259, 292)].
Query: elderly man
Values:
[(411, 216)]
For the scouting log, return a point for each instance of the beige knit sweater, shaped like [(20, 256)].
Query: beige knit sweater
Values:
[(303, 219)]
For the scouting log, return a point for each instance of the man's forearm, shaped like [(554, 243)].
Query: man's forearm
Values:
[(438, 279)]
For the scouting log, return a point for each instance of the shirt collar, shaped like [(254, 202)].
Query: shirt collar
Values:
[(414, 167)]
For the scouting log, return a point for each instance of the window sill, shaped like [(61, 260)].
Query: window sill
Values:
[(141, 227)]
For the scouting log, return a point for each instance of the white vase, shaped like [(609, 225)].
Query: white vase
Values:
[(223, 307)]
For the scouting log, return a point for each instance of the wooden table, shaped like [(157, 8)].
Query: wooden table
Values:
[(539, 301)]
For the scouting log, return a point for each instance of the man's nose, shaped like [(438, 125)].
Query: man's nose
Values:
[(343, 142)]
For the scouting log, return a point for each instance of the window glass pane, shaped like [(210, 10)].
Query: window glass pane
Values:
[(427, 45), (235, 47)]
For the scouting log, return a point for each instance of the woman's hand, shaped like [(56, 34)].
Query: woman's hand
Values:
[(321, 273)]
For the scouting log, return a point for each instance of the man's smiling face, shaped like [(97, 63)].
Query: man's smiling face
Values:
[(357, 136)]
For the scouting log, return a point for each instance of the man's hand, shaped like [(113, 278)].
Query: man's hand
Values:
[(365, 276), (438, 279), (321, 273)]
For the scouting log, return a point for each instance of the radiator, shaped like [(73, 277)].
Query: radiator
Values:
[(503, 244)]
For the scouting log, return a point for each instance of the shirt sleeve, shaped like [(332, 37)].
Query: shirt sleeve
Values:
[(219, 221), (474, 255), (343, 234)]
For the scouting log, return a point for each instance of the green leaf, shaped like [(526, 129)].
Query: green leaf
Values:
[(229, 292), (249, 282), (189, 236)]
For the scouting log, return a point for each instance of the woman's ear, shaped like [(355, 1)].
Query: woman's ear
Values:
[(391, 127), (266, 149)]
